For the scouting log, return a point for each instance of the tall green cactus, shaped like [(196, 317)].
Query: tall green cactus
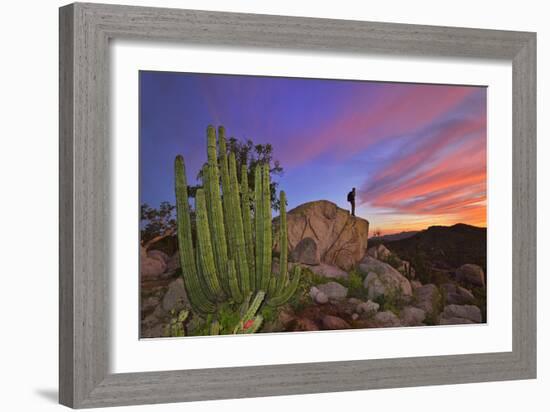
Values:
[(227, 261)]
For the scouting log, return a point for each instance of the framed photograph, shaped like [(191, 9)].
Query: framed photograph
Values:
[(257, 205)]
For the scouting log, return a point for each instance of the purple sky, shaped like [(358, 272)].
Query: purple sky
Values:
[(416, 153)]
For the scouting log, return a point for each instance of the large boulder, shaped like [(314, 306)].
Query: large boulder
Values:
[(150, 267), (379, 252), (469, 313), (470, 274), (333, 290), (318, 296), (386, 319), (159, 255), (173, 263), (411, 316), (334, 322), (305, 252), (328, 271), (367, 308), (457, 295), (428, 298), (175, 297), (341, 239), (382, 279)]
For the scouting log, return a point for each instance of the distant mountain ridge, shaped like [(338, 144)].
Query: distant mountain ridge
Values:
[(445, 247), (393, 236)]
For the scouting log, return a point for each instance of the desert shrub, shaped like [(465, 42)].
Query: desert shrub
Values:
[(392, 300), (393, 261), (423, 269), (354, 283), (301, 297), (269, 313), (438, 303)]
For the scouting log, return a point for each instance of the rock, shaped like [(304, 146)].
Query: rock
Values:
[(313, 292), (156, 331), (175, 297), (318, 296), (415, 284), (334, 322), (379, 252), (428, 299), (465, 293), (305, 252), (411, 316), (468, 312), (305, 324), (149, 267), (158, 254), (368, 308), (341, 239), (456, 295), (286, 318), (173, 263), (355, 316), (333, 290), (355, 301), (386, 319), (328, 271), (471, 274), (383, 279), (374, 286), (149, 304), (149, 321), (321, 298)]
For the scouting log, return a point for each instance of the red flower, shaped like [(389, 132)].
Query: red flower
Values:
[(248, 324)]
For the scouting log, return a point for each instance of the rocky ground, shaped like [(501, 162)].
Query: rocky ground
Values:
[(344, 285)]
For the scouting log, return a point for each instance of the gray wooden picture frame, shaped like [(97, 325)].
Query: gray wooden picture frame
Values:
[(85, 31)]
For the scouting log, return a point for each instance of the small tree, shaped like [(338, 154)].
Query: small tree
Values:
[(157, 223), (250, 154)]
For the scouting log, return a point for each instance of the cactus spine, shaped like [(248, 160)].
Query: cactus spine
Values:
[(228, 261)]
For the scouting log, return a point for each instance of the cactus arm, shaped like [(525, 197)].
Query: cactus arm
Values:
[(267, 235), (215, 210), (206, 254), (233, 282), (247, 226), (214, 328), (283, 246), (253, 327), (197, 297), (226, 189), (250, 322), (258, 225), (273, 287), (254, 306), (246, 304), (288, 291), (237, 234)]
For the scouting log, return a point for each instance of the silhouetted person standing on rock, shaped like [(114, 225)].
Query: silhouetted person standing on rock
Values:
[(351, 199)]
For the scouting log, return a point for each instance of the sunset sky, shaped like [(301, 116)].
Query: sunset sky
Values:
[(416, 153)]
